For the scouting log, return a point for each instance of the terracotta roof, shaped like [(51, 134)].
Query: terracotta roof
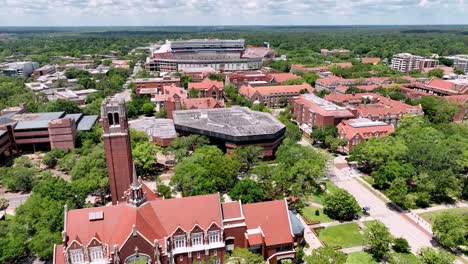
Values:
[(202, 103), (205, 84), (449, 87), (283, 77), (58, 257), (343, 64), (366, 128), (379, 106), (303, 68), (231, 210), (273, 219), (255, 239), (249, 91), (457, 99), (370, 60), (333, 79)]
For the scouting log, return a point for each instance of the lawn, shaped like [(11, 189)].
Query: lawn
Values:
[(430, 216), (370, 180), (407, 258), (360, 257), (318, 197), (308, 213), (345, 235), (367, 223)]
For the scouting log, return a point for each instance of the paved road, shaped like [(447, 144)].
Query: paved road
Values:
[(15, 201), (398, 225)]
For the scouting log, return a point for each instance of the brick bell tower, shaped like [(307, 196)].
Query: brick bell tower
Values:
[(118, 148)]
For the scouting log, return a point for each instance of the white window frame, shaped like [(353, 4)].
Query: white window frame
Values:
[(198, 255), (95, 253), (197, 239), (214, 237), (76, 256), (180, 242)]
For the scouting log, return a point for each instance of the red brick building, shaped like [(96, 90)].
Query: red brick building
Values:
[(208, 88), (311, 110), (273, 96), (375, 107), (357, 130), (439, 87), (44, 131), (258, 78), (149, 86), (176, 98), (185, 230)]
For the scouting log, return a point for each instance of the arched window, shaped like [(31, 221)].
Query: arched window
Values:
[(116, 118), (110, 118)]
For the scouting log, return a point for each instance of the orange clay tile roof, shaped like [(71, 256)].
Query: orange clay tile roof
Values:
[(283, 77), (364, 127), (343, 64), (202, 103), (438, 84), (370, 60), (331, 79), (300, 67), (457, 99), (273, 218), (231, 210), (205, 84), (249, 91), (255, 239)]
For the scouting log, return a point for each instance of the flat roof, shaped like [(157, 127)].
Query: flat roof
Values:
[(155, 127), (235, 124), (35, 120)]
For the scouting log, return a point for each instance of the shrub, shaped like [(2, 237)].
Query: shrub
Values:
[(400, 245)]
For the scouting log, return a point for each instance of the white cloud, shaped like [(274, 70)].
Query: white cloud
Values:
[(193, 12)]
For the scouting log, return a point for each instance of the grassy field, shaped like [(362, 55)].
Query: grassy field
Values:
[(360, 257), (345, 235), (318, 197), (368, 179), (430, 216), (406, 258), (308, 213)]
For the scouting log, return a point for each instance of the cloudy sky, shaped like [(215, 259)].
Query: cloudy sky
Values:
[(230, 12)]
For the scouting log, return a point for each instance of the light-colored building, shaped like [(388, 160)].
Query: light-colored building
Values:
[(460, 62), (20, 68), (405, 62)]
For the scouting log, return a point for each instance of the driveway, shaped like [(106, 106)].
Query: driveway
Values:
[(398, 224)]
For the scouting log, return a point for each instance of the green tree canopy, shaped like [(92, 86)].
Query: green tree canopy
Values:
[(326, 255), (247, 191), (341, 205), (379, 239)]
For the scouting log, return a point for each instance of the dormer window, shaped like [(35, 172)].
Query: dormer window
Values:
[(197, 239), (76, 256), (95, 254), (213, 237), (179, 241)]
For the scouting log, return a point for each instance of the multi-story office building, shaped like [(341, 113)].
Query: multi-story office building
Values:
[(405, 62), (460, 62), (21, 68)]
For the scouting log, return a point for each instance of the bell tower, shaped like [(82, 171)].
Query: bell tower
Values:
[(117, 147)]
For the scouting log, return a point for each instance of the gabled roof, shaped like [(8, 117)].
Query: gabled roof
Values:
[(248, 90), (232, 210), (202, 103), (273, 219), (370, 60), (457, 99), (205, 84), (283, 77), (366, 128)]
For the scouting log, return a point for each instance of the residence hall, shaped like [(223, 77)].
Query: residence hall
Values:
[(175, 98), (375, 107), (354, 131), (150, 86), (311, 110), (258, 78), (141, 226), (440, 87), (36, 131), (273, 95), (232, 127), (208, 88)]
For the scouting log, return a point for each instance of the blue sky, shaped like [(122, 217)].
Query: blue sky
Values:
[(230, 12)]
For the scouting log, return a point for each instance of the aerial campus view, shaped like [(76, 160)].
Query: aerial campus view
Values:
[(235, 132)]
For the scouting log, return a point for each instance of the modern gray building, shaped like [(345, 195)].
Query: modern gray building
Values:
[(20, 68)]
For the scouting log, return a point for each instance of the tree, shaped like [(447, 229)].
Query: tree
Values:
[(438, 110), (164, 190), (398, 193), (4, 203), (432, 256), (446, 61), (459, 71), (162, 113), (326, 255), (206, 171), (59, 105), (148, 109), (144, 157), (379, 239), (450, 229), (391, 171), (244, 256), (194, 93), (247, 191), (400, 245), (50, 158), (248, 156), (341, 205), (439, 73), (184, 146)]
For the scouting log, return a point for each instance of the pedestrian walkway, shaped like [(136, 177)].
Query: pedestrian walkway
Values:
[(310, 238), (440, 207), (335, 223), (353, 249)]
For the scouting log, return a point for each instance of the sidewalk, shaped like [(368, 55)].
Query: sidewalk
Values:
[(440, 207), (352, 249), (335, 223), (310, 238)]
